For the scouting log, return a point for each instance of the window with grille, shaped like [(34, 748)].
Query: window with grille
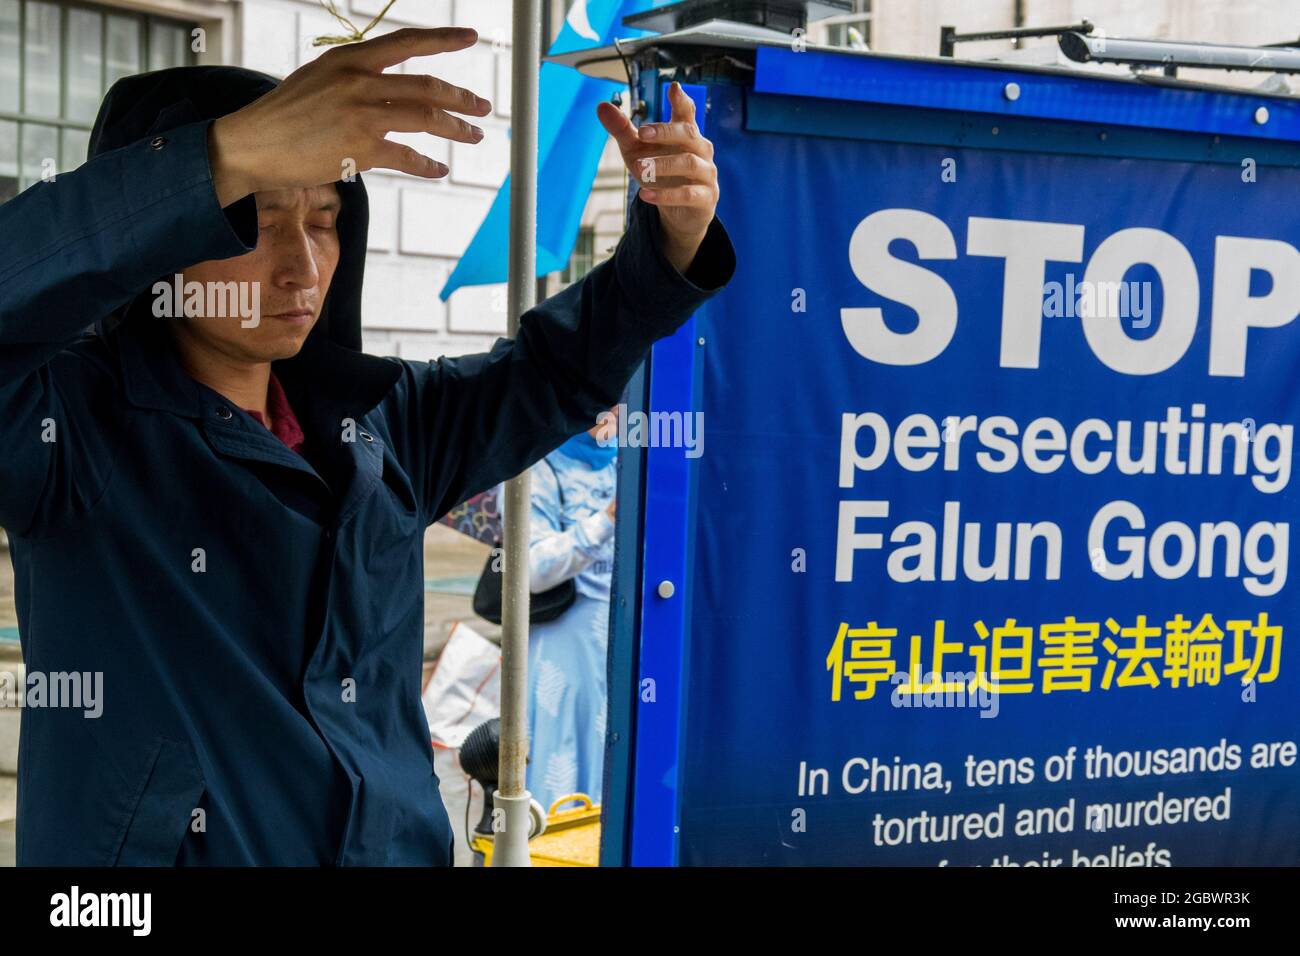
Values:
[(838, 27), (57, 59)]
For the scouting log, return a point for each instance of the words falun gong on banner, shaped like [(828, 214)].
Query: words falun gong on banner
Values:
[(994, 527)]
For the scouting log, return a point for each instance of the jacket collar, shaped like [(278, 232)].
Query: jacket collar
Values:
[(352, 383), (152, 376)]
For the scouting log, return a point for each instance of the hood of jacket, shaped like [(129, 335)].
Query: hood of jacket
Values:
[(149, 104)]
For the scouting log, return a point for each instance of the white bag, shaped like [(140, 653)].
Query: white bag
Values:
[(463, 691)]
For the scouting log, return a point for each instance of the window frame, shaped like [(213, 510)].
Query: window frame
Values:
[(144, 23), (835, 27)]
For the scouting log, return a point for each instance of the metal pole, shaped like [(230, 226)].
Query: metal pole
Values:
[(510, 844)]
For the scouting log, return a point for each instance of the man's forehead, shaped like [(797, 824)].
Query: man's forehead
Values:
[(313, 197)]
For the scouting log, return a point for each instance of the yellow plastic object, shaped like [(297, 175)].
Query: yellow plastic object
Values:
[(572, 836)]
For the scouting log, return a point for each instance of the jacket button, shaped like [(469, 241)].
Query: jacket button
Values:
[(158, 142), (366, 436), (224, 413)]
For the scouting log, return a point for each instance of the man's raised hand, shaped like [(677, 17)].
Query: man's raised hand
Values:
[(673, 163), (330, 117)]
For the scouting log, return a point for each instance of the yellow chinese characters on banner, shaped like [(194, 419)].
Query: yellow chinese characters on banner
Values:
[(1067, 655)]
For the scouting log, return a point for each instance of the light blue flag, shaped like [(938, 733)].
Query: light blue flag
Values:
[(569, 143)]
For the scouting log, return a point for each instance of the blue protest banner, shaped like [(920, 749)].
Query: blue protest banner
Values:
[(989, 534)]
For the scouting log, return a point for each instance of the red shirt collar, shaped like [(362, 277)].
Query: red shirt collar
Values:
[(284, 424)]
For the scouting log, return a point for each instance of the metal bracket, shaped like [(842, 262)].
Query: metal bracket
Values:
[(949, 37)]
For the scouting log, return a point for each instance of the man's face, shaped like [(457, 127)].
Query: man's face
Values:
[(296, 255)]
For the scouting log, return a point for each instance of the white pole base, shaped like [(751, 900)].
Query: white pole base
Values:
[(510, 844)]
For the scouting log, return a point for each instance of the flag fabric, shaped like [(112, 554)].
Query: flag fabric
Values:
[(569, 144)]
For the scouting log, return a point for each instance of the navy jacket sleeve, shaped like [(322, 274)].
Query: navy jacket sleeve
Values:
[(76, 249), (462, 425)]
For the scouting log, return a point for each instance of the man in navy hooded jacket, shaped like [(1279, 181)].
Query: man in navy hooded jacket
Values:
[(224, 517)]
